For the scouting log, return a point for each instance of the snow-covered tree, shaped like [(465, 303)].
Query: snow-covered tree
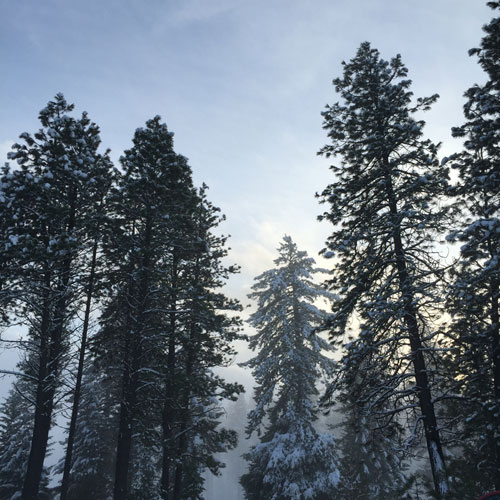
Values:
[(474, 297), (49, 200), (144, 228), (166, 324), (292, 460), (385, 208)]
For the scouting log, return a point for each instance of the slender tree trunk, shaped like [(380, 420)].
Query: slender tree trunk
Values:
[(51, 349), (167, 422), (183, 437), (79, 375), (431, 431), (43, 408), (127, 413), (181, 449)]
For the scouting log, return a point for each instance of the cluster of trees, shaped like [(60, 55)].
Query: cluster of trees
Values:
[(418, 334), (425, 357), (137, 248)]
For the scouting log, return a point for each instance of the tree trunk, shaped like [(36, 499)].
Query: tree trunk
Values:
[(181, 449), (431, 431), (167, 423), (43, 408), (183, 441), (51, 349), (127, 410), (190, 346), (79, 375)]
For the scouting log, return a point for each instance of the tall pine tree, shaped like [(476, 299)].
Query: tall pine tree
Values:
[(156, 183), (384, 206), (292, 461), (48, 199), (165, 326)]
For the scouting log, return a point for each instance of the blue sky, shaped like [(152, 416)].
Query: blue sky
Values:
[(242, 84)]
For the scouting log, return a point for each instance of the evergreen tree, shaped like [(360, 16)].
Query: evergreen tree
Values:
[(474, 296), (292, 460), (155, 184), (48, 200), (384, 205), (165, 325)]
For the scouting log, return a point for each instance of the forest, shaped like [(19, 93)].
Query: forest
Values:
[(377, 377)]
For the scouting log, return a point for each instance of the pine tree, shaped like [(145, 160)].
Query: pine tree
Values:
[(138, 244), (48, 200), (384, 205), (474, 296), (165, 325), (292, 460)]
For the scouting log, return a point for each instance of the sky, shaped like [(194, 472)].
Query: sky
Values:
[(241, 83)]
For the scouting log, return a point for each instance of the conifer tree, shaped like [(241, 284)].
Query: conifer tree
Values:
[(474, 296), (48, 200), (165, 325), (292, 460), (155, 183), (384, 205)]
